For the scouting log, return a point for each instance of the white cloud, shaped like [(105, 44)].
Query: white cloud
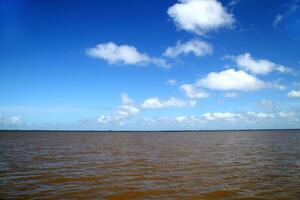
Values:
[(226, 116), (253, 117), (200, 16), (208, 118), (294, 93), (123, 54), (128, 109), (231, 95), (287, 114), (115, 54), (257, 66), (189, 120), (280, 17), (10, 120), (240, 117), (246, 117), (231, 80), (171, 82), (290, 116), (171, 102), (192, 92), (152, 103), (14, 120), (122, 113), (160, 62), (277, 86), (277, 20), (126, 100), (181, 119), (233, 3), (105, 119), (197, 47), (261, 115)]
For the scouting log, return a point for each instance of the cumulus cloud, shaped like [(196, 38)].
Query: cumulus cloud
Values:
[(192, 92), (209, 118), (258, 66), (128, 109), (152, 103), (114, 53), (122, 113), (171, 102), (231, 79), (200, 16), (197, 47), (123, 54), (294, 93)]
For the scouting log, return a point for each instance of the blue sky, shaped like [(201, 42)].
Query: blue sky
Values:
[(141, 65)]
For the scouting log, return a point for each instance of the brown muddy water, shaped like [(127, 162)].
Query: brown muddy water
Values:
[(165, 165)]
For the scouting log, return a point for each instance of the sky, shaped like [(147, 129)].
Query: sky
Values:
[(149, 65)]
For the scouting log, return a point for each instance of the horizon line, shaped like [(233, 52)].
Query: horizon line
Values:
[(188, 130)]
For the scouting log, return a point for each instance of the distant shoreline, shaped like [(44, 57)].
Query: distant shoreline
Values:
[(150, 131)]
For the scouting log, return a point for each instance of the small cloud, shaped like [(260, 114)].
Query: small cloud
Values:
[(294, 93), (154, 102), (128, 109), (226, 116), (171, 82), (287, 114), (197, 47), (260, 115), (294, 6), (10, 120), (200, 16), (123, 54), (277, 20), (126, 100), (277, 86), (232, 4), (231, 95), (231, 79), (192, 92), (281, 17), (266, 104), (257, 66)]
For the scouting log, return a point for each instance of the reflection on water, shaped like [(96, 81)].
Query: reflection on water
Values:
[(206, 165)]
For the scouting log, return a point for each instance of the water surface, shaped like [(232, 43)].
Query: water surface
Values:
[(204, 165)]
